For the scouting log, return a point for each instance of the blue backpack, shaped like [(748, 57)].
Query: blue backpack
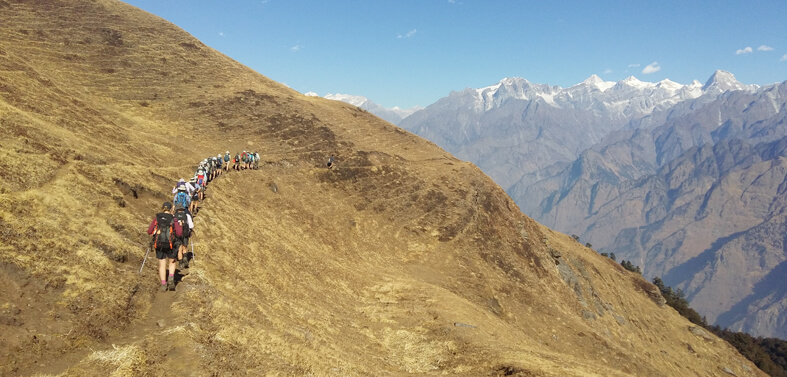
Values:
[(183, 198)]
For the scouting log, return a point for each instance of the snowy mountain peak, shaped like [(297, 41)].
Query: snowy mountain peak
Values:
[(595, 81), (351, 99), (508, 81), (393, 115), (668, 85), (635, 83), (722, 81)]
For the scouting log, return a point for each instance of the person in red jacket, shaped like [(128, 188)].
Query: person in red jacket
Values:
[(163, 230)]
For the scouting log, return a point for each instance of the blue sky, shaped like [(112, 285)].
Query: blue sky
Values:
[(414, 52)]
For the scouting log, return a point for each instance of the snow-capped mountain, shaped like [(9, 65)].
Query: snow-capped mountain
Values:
[(393, 114), (654, 172), (723, 81), (627, 98)]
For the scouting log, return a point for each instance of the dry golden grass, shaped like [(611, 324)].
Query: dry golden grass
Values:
[(402, 260)]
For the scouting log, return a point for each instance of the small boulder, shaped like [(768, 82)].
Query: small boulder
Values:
[(700, 332)]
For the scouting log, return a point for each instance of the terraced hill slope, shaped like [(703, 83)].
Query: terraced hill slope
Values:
[(401, 260)]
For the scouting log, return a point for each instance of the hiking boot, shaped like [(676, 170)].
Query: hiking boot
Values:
[(170, 285), (163, 287)]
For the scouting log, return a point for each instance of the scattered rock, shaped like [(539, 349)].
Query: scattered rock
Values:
[(160, 323), (728, 371), (494, 306), (586, 314), (698, 331), (10, 321), (274, 187), (459, 324), (619, 319), (554, 253), (746, 368), (655, 295)]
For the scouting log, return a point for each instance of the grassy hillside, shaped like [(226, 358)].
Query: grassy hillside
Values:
[(401, 260)]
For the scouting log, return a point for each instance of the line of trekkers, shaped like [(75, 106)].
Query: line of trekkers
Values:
[(171, 231)]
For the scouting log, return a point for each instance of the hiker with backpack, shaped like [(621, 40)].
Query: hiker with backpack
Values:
[(182, 183), (208, 170), (237, 161), (163, 230), (227, 161), (219, 165), (200, 176), (194, 195), (216, 168), (256, 160), (182, 197), (183, 217)]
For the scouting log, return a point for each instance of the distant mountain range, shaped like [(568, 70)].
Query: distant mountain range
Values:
[(392, 115), (685, 180)]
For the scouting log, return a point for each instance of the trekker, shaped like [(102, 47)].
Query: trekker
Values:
[(194, 195), (208, 170), (219, 165), (201, 177), (256, 160), (163, 230), (182, 183), (237, 161), (227, 161), (214, 168), (183, 217), (182, 197)]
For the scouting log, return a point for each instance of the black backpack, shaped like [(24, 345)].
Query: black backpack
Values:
[(165, 231), (182, 217)]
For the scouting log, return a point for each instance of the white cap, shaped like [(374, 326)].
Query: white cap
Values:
[(182, 180)]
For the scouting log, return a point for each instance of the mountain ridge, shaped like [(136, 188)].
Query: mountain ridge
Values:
[(563, 163), (400, 260)]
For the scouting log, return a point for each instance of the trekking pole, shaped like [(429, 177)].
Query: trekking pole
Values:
[(143, 261), (193, 256), (150, 245)]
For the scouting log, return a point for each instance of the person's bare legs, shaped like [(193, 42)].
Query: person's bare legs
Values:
[(162, 271), (171, 281)]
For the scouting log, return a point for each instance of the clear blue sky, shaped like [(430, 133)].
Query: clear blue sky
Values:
[(413, 52)]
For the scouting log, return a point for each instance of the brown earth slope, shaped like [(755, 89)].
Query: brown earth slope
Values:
[(403, 260)]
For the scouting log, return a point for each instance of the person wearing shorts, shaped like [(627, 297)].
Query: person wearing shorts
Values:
[(166, 253), (183, 217), (194, 195)]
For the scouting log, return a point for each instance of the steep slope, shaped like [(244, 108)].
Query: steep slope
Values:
[(735, 191), (636, 180), (400, 260)]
